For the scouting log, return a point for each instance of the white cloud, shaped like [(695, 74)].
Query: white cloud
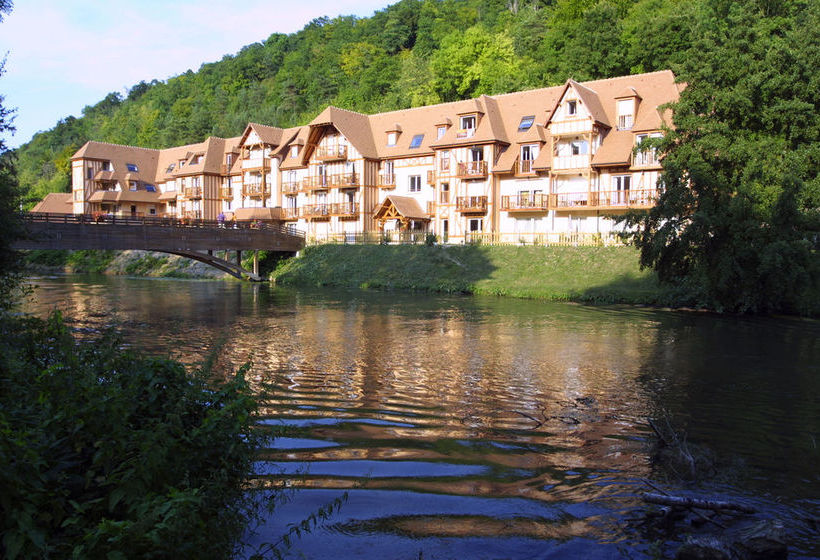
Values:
[(65, 55)]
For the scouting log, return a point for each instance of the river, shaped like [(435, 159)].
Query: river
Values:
[(484, 427)]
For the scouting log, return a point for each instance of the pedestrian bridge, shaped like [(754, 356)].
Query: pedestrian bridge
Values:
[(194, 239)]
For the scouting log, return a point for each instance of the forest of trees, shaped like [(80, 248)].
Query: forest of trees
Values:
[(747, 188)]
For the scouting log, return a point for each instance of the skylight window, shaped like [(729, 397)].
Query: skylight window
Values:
[(416, 141), (150, 188), (170, 167), (131, 167), (526, 123)]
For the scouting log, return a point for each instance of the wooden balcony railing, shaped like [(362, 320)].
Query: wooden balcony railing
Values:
[(387, 180), (331, 152), (320, 182), (535, 202), (471, 204), (193, 192), (637, 198), (291, 187), (345, 209), (226, 192), (290, 214), (431, 208), (256, 163), (255, 190), (472, 170), (524, 167), (431, 177), (315, 211)]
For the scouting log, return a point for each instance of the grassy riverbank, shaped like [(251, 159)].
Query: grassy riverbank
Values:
[(588, 274)]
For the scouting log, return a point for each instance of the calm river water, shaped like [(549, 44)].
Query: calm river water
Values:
[(467, 427)]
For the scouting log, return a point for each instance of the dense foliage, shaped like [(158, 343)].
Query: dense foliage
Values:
[(106, 454), (738, 224)]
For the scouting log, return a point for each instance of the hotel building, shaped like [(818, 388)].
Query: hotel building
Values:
[(529, 166)]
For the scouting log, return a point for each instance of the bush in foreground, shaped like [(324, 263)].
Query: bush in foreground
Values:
[(106, 454)]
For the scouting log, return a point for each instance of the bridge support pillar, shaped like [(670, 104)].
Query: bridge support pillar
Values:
[(256, 263), (239, 258)]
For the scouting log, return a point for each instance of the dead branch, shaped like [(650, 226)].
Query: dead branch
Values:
[(696, 503)]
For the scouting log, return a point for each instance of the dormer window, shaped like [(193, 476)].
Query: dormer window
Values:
[(416, 142), (294, 151), (440, 132), (526, 123), (132, 185), (626, 112), (181, 163), (106, 166), (131, 167), (229, 160), (196, 160), (468, 123), (572, 107), (392, 138), (171, 168)]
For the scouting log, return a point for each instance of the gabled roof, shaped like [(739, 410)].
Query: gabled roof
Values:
[(406, 206), (353, 126), (590, 99), (120, 157), (616, 149), (267, 134)]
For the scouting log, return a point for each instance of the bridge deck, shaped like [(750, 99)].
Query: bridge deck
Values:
[(194, 237)]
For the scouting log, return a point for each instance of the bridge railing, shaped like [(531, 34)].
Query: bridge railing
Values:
[(43, 217)]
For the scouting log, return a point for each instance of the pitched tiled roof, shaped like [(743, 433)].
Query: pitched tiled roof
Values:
[(54, 203), (616, 149), (404, 205)]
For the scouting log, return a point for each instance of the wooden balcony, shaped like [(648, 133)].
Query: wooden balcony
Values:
[(535, 202), (321, 182), (387, 180), (523, 168), (431, 208), (290, 214), (332, 152), (604, 200), (316, 182), (472, 170), (226, 193), (255, 190), (471, 204), (192, 193), (256, 163), (291, 187), (345, 210), (431, 177), (315, 212)]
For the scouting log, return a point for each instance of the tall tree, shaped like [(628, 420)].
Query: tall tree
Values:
[(738, 220)]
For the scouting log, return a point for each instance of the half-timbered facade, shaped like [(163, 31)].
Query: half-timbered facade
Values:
[(516, 167)]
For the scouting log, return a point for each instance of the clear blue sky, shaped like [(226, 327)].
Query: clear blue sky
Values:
[(66, 54)]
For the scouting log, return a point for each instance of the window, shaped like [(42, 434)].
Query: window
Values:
[(391, 138), (445, 193), (626, 110), (526, 123), (196, 181), (170, 168), (415, 183), (132, 185), (131, 167), (229, 160), (444, 160), (78, 196), (475, 225), (197, 160), (467, 127), (647, 156), (181, 163), (441, 131), (150, 188), (529, 152), (294, 151), (476, 154), (152, 211), (572, 107), (416, 141), (106, 166), (621, 184), (89, 173), (579, 147)]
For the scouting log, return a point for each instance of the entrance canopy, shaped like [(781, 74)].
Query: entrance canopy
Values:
[(402, 208)]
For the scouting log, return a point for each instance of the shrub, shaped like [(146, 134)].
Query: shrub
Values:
[(107, 454)]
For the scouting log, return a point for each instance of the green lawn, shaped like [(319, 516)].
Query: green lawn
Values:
[(604, 274)]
